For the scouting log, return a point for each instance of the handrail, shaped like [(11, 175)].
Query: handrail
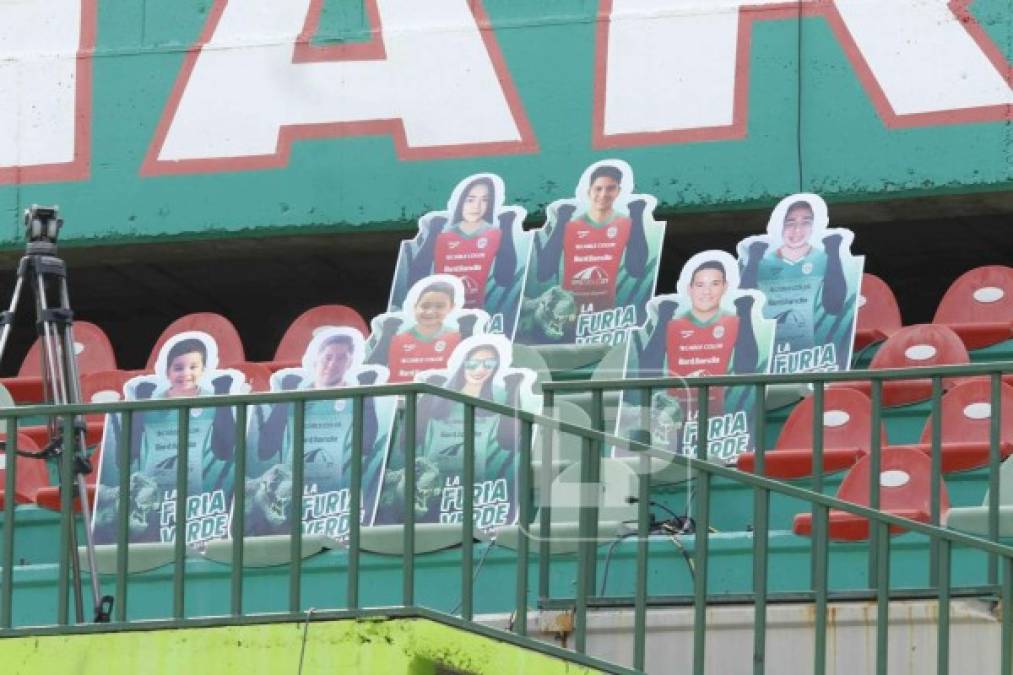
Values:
[(595, 440)]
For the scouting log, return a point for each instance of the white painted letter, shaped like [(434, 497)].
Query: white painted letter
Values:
[(430, 79)]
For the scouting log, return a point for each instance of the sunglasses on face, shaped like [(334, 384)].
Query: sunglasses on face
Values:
[(474, 364)]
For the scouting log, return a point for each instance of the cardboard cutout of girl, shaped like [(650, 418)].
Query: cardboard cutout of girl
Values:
[(594, 264), (479, 367), (478, 240), (811, 281), (424, 334), (333, 359), (187, 366), (709, 327)]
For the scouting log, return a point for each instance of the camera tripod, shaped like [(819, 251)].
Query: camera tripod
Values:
[(46, 275)]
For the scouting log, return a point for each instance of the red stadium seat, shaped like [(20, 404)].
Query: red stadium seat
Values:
[(94, 354), (978, 306), (32, 474), (295, 340), (258, 375), (878, 313), (847, 434), (904, 490), (967, 419), (100, 387), (921, 345), (230, 346)]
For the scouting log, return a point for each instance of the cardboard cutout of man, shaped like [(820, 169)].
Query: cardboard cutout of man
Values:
[(479, 367), (710, 327), (424, 334), (478, 240), (187, 366), (594, 265), (811, 281), (333, 359)]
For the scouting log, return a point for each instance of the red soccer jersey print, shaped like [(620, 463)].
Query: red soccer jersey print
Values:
[(591, 257), (469, 259), (411, 354), (694, 349)]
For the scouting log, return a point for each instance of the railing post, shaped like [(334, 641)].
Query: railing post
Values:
[(7, 578), (584, 547), (545, 498), (408, 556), (643, 535), (355, 505), (701, 536), (761, 522), (994, 459), (524, 518), (298, 488), (881, 534), (182, 494), (875, 447), (468, 514), (820, 582), (66, 520), (123, 451), (937, 475), (1006, 662), (943, 632), (239, 512)]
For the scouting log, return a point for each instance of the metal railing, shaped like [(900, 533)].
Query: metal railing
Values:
[(594, 442)]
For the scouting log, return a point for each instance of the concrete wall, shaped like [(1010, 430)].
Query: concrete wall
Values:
[(220, 118)]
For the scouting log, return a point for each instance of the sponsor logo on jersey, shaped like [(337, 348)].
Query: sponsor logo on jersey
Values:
[(409, 346), (687, 333), (591, 276), (470, 286), (582, 234), (454, 244)]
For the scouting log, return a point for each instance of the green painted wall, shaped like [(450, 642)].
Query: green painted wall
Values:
[(391, 646), (846, 151)]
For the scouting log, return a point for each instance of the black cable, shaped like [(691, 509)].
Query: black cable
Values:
[(478, 570), (608, 558)]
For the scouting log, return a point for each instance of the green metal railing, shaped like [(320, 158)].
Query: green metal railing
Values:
[(595, 441)]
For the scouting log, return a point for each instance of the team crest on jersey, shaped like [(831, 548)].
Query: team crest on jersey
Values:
[(482, 243), (440, 346), (807, 268), (196, 412), (719, 332), (340, 404), (612, 232)]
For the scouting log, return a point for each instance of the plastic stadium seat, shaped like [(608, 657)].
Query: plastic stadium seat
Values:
[(967, 416), (974, 519), (94, 354), (32, 474), (904, 491), (921, 345), (878, 313), (298, 335), (101, 387), (978, 306), (230, 346), (847, 435), (258, 375)]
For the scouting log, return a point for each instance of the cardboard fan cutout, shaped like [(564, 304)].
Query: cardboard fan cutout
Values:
[(333, 359), (187, 366), (479, 367), (594, 263), (708, 327), (478, 240), (811, 282)]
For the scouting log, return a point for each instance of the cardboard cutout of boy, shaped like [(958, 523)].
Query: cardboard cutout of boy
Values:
[(424, 334), (594, 264), (709, 327), (187, 366), (811, 281), (479, 367), (333, 359), (478, 240)]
